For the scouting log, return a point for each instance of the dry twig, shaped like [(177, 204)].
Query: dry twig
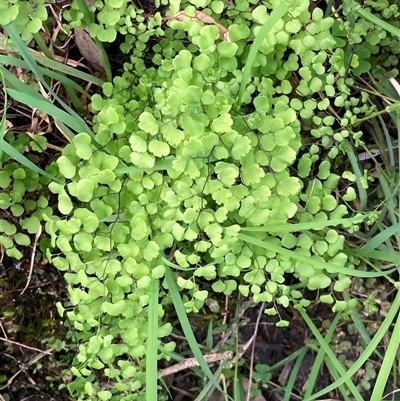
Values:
[(190, 362), (39, 232), (253, 338), (6, 340)]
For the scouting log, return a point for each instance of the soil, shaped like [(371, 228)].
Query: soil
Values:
[(30, 321)]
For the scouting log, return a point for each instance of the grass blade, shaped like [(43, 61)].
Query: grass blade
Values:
[(328, 10), (393, 311), (4, 117), (208, 389), (286, 360), (336, 375), (45, 106), (390, 194), (356, 170), (2, 131), (385, 255), (64, 130), (377, 21), (384, 372), (25, 94), (275, 16), (348, 55), (52, 64), (7, 148), (66, 69), (389, 144), (294, 373), (209, 340), (343, 377), (311, 260), (186, 327), (276, 226), (23, 50), (381, 238), (355, 316), (152, 344), (312, 378), (7, 60)]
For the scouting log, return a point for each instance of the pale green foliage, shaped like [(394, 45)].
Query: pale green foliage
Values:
[(27, 16), (178, 168), (374, 44)]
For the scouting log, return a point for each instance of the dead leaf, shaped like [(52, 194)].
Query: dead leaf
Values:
[(395, 84), (87, 47), (203, 17), (246, 385), (283, 377), (207, 19)]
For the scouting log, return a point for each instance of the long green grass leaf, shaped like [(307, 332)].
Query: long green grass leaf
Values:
[(342, 388), (6, 60), (321, 357), (42, 45), (362, 193), (391, 197), (389, 144), (328, 10), (64, 129), (393, 311), (4, 116), (294, 373), (286, 360), (25, 94), (53, 64), (362, 331), (7, 148), (275, 16), (331, 358), (312, 378), (390, 355), (177, 267), (378, 22), (46, 107), (2, 131), (13, 82), (27, 56), (379, 239), (208, 389), (348, 55), (152, 343), (23, 50), (273, 226), (186, 327), (66, 69), (330, 268), (385, 255)]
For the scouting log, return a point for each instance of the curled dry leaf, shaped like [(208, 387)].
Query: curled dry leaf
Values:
[(247, 386), (87, 47), (207, 19), (395, 84)]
